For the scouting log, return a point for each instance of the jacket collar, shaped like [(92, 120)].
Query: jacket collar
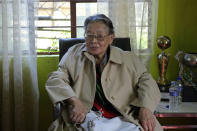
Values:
[(115, 55), (85, 53)]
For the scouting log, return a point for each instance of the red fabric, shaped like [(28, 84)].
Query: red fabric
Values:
[(105, 113)]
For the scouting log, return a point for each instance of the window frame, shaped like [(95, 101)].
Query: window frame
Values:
[(73, 4)]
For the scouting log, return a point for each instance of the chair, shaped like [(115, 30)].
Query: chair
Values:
[(65, 44)]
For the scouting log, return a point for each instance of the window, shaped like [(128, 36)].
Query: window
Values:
[(60, 19), (143, 14)]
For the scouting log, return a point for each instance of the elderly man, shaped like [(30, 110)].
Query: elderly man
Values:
[(95, 76)]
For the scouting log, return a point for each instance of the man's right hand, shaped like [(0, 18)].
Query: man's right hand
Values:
[(77, 113)]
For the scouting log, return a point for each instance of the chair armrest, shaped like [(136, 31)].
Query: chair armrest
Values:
[(57, 110)]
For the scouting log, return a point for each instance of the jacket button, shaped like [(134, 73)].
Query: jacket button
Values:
[(110, 79), (112, 98)]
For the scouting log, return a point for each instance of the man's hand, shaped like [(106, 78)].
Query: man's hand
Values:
[(146, 119), (77, 113)]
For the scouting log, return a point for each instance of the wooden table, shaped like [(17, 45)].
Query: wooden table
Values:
[(186, 110)]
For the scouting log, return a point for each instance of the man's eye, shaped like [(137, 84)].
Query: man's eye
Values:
[(99, 36), (90, 36)]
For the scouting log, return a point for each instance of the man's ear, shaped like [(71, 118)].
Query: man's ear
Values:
[(112, 36)]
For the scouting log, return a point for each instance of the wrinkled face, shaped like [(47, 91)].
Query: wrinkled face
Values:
[(97, 38)]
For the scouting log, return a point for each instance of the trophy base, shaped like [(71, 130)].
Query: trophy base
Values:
[(164, 89)]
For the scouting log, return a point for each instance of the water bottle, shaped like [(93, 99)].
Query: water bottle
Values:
[(180, 88), (173, 100)]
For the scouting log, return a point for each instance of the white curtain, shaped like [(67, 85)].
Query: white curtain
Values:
[(136, 19), (18, 67)]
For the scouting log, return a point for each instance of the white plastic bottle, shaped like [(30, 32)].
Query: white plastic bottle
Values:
[(180, 88), (173, 100)]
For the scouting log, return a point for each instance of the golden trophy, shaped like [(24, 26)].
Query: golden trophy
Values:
[(163, 42)]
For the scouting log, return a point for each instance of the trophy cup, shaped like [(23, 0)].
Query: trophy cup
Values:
[(188, 66), (163, 42)]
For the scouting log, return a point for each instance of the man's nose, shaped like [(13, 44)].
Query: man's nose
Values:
[(94, 39)]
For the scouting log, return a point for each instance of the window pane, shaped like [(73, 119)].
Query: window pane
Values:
[(83, 10), (80, 32), (54, 9), (142, 24), (142, 37), (49, 37), (141, 13), (53, 23)]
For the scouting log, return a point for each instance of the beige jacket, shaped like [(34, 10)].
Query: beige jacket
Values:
[(125, 81)]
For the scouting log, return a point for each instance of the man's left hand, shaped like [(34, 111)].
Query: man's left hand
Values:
[(146, 119)]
